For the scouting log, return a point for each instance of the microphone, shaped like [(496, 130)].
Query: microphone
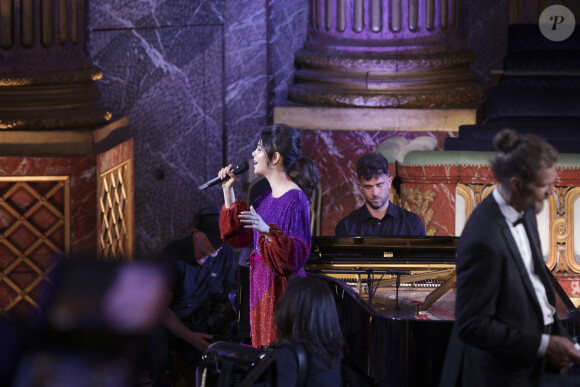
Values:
[(238, 169)]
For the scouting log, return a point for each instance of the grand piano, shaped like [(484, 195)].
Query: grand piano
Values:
[(396, 302)]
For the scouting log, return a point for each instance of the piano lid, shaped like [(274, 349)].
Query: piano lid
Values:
[(434, 249)]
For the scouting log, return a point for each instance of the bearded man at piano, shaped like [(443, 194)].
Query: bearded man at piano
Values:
[(378, 216)]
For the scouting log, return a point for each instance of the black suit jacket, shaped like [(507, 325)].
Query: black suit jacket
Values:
[(499, 322)]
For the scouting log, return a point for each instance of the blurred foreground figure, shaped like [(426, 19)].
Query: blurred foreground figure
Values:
[(95, 325)]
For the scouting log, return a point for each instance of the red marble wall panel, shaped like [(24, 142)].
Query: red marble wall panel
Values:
[(115, 156), (33, 166), (434, 203), (429, 191), (83, 191), (570, 283), (336, 154), (82, 172), (475, 174), (568, 176)]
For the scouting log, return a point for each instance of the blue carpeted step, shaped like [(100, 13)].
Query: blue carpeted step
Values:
[(568, 121), (525, 37), (550, 131), (511, 101), (543, 60), (541, 81), (481, 145), (460, 144), (540, 93)]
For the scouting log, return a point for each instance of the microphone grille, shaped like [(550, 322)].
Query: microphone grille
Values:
[(240, 168)]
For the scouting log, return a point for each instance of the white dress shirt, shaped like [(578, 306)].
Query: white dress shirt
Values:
[(523, 244)]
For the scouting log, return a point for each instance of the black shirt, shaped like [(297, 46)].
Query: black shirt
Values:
[(194, 283), (396, 222), (319, 375)]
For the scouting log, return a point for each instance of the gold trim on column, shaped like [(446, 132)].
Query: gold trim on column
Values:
[(561, 227), (473, 195), (571, 197), (562, 257), (465, 193), (557, 229), (116, 213), (34, 227)]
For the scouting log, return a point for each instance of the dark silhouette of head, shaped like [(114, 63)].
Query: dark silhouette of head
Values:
[(207, 221), (307, 312)]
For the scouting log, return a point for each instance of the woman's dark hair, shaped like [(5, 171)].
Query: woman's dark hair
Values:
[(521, 156), (307, 312), (285, 140)]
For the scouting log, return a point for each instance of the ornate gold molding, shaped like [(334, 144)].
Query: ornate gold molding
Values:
[(73, 119), (472, 195), (561, 228), (382, 53), (475, 193), (382, 62), (466, 194), (51, 100), (419, 202), (372, 79), (335, 97), (116, 213), (562, 215), (93, 74)]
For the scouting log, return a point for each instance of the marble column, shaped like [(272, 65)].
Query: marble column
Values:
[(379, 53), (47, 80), (377, 74), (66, 168)]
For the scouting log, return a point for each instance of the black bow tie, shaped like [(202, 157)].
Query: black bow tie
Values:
[(518, 221)]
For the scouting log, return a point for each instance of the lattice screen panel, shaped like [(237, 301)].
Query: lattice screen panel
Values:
[(34, 233), (115, 239)]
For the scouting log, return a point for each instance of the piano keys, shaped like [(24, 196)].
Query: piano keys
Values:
[(396, 335), (422, 269), (396, 302)]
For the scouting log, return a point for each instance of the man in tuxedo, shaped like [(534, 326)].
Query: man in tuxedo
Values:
[(506, 331)]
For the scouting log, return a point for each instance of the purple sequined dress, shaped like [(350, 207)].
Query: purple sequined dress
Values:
[(273, 263)]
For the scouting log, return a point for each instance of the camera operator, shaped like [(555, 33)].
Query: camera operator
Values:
[(201, 301)]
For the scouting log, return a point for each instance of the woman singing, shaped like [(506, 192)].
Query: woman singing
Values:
[(278, 222)]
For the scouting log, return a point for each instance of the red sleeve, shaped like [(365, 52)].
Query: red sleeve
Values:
[(284, 255), (231, 229)]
